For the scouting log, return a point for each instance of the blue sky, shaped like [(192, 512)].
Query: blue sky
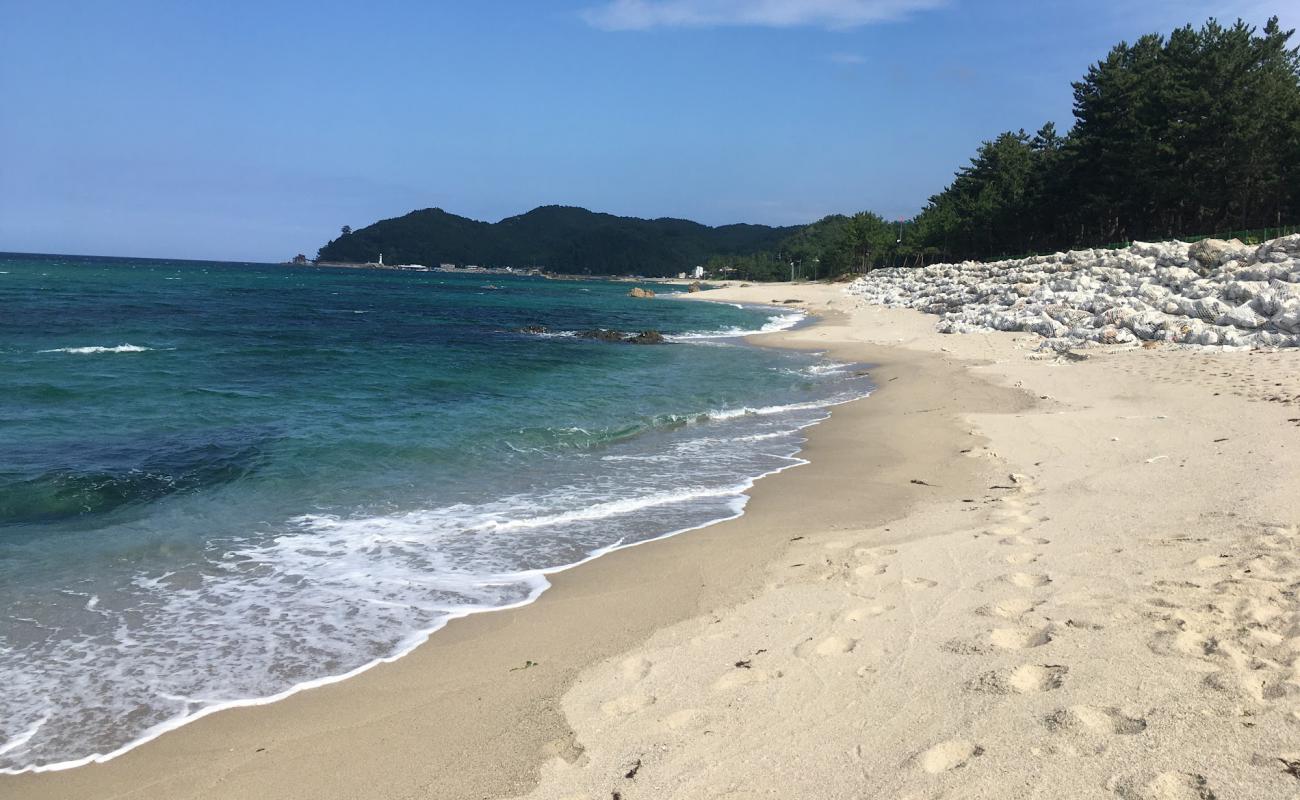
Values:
[(254, 130)]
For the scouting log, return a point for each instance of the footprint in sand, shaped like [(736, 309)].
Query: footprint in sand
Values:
[(1015, 517), (1211, 562), (919, 583), (1020, 559), (1007, 531), (1027, 580), (949, 755), (1011, 608), (686, 718), (627, 704), (1024, 679), (1033, 678), (1164, 786), (870, 570), (1187, 642), (740, 677), (836, 645), (1020, 638), (1098, 719), (866, 612), (831, 645), (1024, 541)]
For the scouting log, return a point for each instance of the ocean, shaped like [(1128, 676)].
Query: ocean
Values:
[(221, 483)]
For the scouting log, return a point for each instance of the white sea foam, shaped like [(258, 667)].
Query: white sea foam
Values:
[(24, 737), (121, 348), (339, 594), (762, 411), (776, 322)]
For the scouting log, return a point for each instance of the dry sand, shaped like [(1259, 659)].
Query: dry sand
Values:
[(999, 578)]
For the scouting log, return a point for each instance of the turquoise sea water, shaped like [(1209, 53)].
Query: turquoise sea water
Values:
[(219, 482)]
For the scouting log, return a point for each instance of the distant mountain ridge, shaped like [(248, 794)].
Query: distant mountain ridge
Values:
[(558, 238)]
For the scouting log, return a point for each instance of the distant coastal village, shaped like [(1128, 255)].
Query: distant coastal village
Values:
[(696, 273)]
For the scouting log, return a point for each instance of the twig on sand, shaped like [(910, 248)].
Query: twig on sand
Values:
[(526, 665), (920, 482)]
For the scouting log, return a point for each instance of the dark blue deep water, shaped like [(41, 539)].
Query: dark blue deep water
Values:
[(222, 481)]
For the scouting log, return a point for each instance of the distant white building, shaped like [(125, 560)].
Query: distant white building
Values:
[(697, 273), (681, 276)]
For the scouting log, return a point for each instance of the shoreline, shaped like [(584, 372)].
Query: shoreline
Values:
[(124, 771), (420, 638), (1001, 575)]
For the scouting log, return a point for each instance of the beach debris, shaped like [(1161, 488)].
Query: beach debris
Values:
[(526, 665), (1291, 766), (920, 482), (631, 773), (1154, 459), (1224, 294), (744, 664)]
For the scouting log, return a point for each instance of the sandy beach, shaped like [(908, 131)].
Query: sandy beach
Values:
[(1002, 575)]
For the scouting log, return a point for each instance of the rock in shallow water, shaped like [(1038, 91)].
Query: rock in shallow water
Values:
[(603, 335)]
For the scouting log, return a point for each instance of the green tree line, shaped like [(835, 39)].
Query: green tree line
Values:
[(1194, 133)]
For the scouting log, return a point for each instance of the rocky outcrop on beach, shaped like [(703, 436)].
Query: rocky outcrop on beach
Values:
[(1210, 293), (637, 291)]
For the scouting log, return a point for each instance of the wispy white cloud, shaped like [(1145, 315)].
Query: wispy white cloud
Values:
[(846, 58), (624, 15)]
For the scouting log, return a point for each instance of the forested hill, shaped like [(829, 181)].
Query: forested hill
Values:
[(559, 238)]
